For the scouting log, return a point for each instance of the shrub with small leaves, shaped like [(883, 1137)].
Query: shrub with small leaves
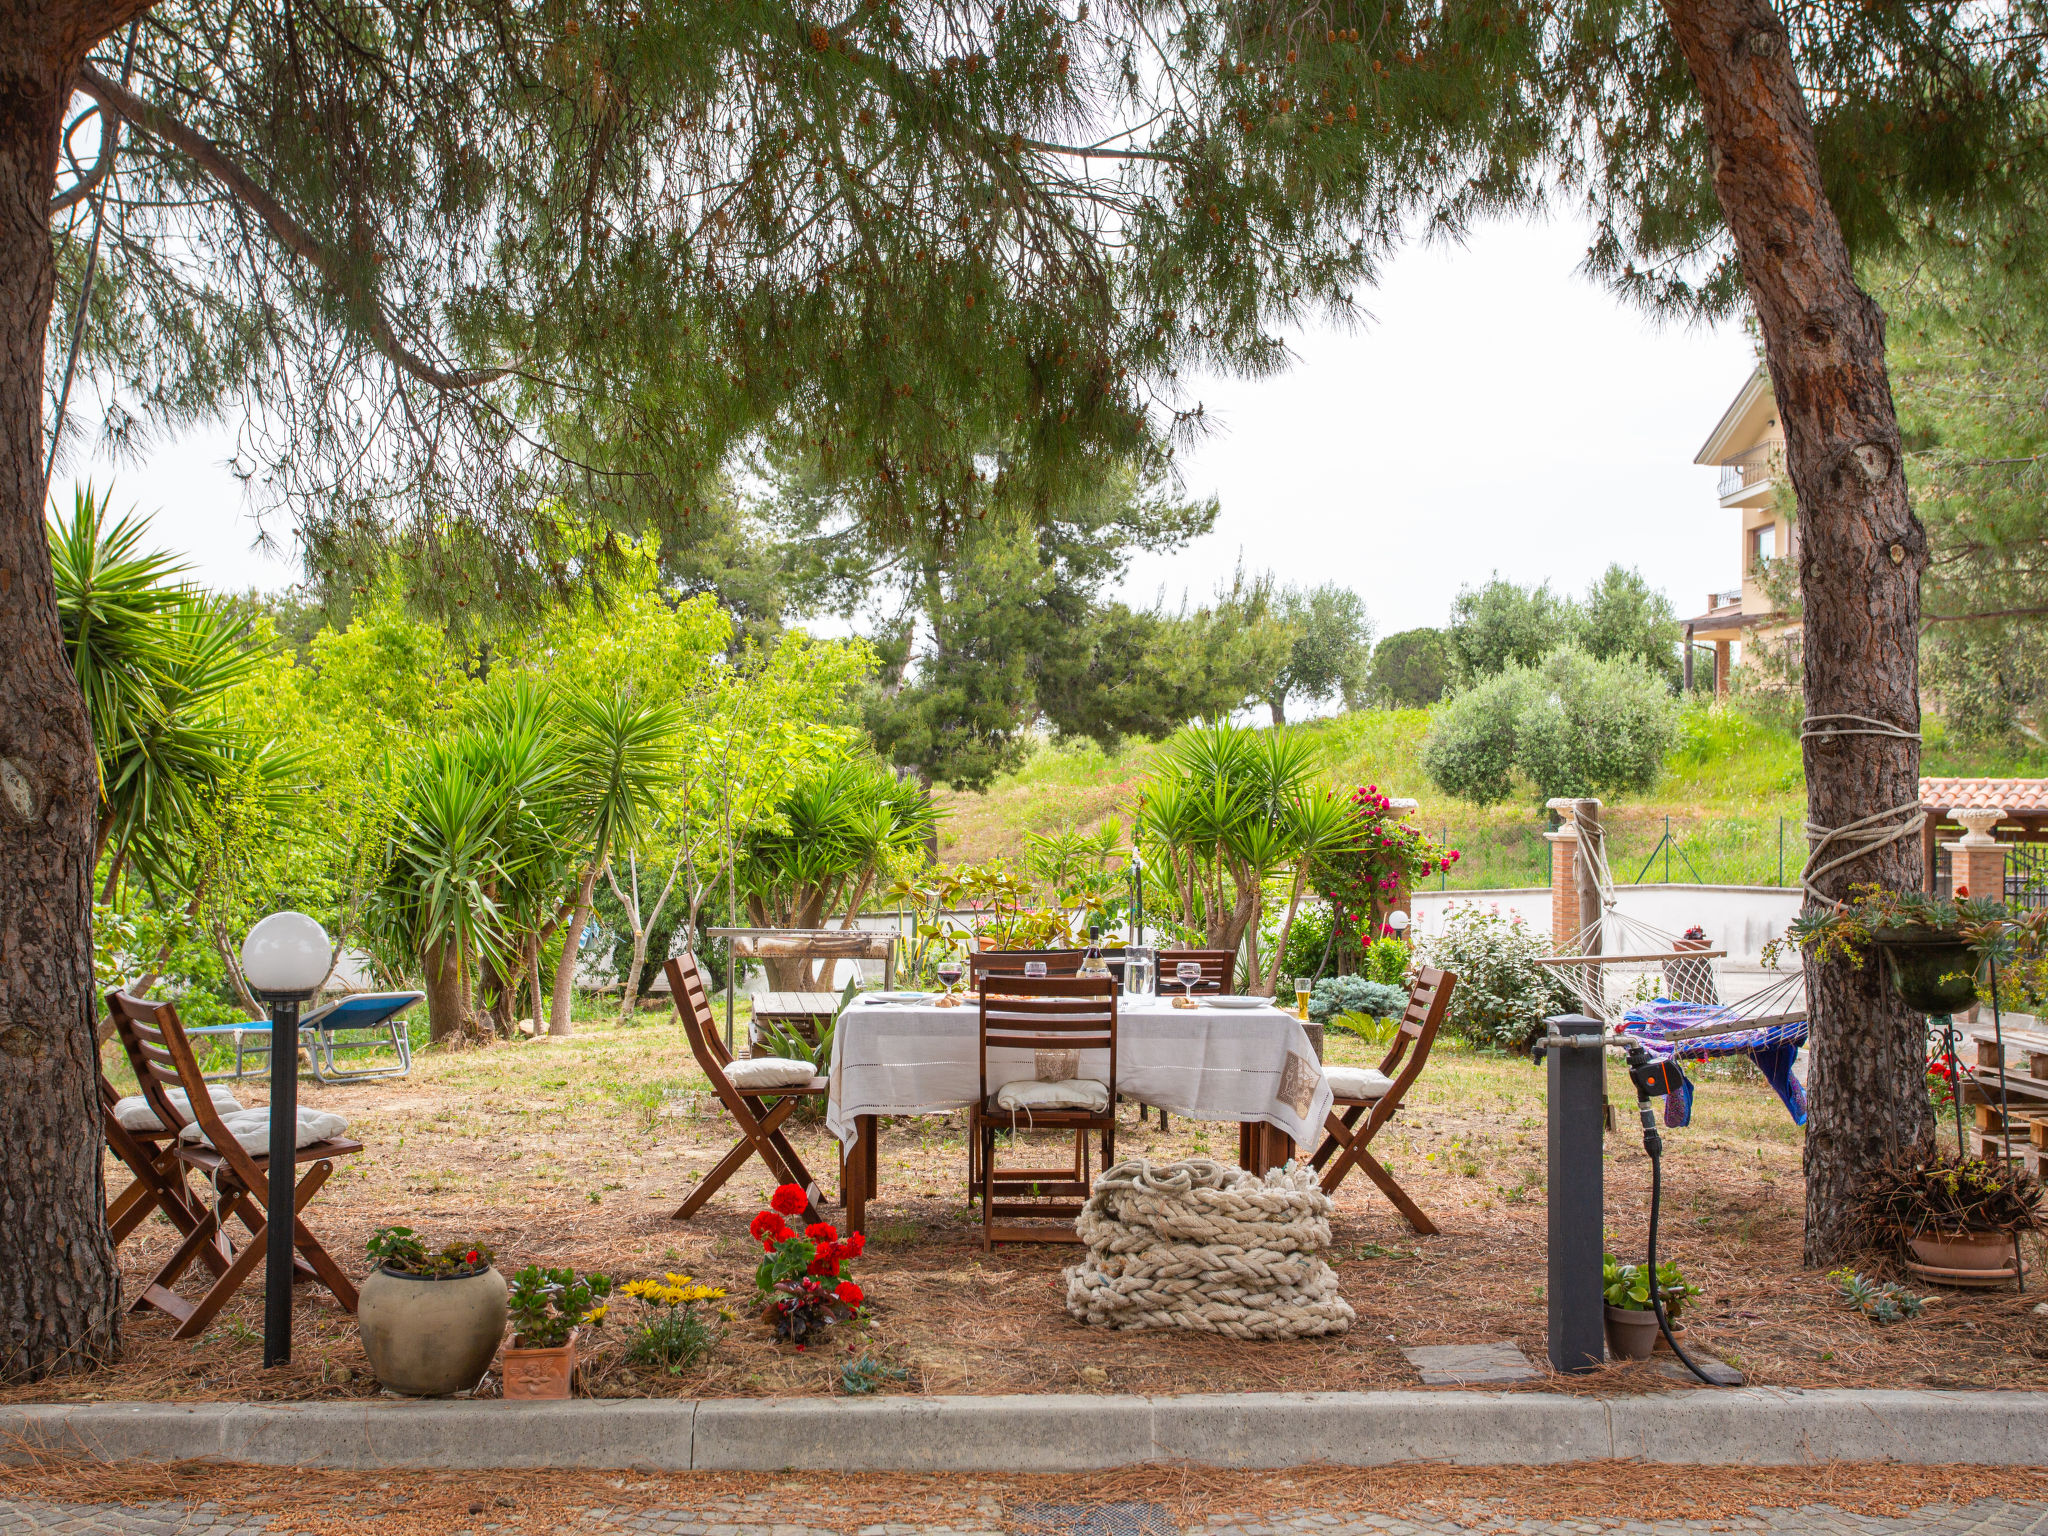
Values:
[(1334, 995), (1502, 996), (402, 1251), (547, 1305)]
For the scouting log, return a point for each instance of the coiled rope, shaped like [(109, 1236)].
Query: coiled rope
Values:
[(1866, 835), (1202, 1245)]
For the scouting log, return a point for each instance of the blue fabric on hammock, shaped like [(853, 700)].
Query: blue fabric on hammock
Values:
[(1773, 1048)]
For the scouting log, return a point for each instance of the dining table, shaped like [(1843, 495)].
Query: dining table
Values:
[(894, 1054)]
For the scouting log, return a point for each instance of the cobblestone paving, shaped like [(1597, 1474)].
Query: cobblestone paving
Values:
[(1985, 1517)]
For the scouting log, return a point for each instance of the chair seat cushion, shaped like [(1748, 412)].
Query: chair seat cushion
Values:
[(134, 1114), (1357, 1082), (251, 1127), (1074, 1093), (760, 1072)]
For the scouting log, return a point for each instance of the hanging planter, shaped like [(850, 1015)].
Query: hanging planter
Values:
[(1934, 970), (1933, 948)]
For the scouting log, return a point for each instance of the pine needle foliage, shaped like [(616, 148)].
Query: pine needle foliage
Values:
[(500, 278)]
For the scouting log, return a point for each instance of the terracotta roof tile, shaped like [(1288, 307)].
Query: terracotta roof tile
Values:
[(2017, 796)]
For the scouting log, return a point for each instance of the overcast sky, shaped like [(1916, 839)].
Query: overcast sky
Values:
[(1497, 413)]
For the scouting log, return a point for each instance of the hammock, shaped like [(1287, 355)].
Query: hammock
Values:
[(1687, 1020)]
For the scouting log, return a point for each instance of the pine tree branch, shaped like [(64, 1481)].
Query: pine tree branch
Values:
[(286, 230), (1927, 621), (110, 144)]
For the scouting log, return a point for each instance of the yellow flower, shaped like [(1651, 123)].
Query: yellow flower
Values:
[(596, 1314), (674, 1279)]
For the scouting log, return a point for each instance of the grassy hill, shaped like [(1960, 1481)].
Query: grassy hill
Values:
[(1732, 789)]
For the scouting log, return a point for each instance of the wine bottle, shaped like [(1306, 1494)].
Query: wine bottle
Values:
[(1092, 963)]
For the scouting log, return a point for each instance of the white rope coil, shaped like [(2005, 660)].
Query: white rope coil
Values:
[(1868, 834), (1202, 1245)]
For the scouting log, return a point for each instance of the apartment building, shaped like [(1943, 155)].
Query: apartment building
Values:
[(1748, 445)]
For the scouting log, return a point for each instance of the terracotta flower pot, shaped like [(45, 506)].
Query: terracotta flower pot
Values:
[(1631, 1332), (539, 1375), (429, 1337), (1963, 1250)]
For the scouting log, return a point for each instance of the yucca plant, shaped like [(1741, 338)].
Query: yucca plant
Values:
[(837, 831), (476, 855), (618, 753), (154, 658), (1228, 808)]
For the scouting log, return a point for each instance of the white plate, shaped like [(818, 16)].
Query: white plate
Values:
[(1226, 1000), (896, 997)]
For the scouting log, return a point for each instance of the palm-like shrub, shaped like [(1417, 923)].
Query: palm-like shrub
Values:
[(833, 835), (1227, 809), (154, 657)]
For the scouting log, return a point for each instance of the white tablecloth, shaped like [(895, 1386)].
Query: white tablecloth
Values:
[(1205, 1063)]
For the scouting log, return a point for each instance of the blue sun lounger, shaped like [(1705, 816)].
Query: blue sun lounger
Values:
[(371, 1017)]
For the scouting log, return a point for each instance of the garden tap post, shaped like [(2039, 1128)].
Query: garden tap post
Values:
[(1577, 1079)]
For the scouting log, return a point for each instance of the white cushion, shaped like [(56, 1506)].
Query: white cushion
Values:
[(1357, 1082), (134, 1114), (1074, 1093), (251, 1127), (763, 1072)]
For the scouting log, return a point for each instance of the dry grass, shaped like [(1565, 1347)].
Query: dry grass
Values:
[(576, 1151)]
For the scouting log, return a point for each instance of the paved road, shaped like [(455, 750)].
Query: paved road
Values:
[(1986, 1517)]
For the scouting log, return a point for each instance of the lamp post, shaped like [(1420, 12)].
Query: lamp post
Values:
[(284, 960)]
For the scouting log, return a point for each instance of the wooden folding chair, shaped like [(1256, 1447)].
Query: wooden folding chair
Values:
[(159, 1182), (1374, 1096), (1217, 968), (760, 1133), (163, 1059), (1052, 1013)]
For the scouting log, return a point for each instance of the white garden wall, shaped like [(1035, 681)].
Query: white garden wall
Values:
[(1738, 918)]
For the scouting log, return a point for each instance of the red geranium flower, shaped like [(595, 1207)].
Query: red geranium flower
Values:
[(823, 1266), (850, 1293), (789, 1200), (821, 1231), (856, 1244), (763, 1224)]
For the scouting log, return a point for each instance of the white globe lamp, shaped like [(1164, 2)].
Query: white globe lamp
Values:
[(284, 960), (1398, 921), (287, 955)]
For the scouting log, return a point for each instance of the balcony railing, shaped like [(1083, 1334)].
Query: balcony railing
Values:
[(1752, 466)]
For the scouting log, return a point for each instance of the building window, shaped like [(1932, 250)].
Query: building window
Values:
[(1763, 544)]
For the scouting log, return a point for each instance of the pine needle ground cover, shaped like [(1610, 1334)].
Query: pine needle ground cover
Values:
[(575, 1151)]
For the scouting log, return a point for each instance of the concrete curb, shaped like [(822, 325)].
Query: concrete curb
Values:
[(1755, 1426)]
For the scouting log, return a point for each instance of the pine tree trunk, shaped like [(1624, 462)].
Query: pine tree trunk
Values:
[(559, 1022), (60, 1290), (1861, 552)]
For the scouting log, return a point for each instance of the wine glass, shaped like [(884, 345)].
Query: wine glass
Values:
[(1187, 973), (949, 971), (1034, 968)]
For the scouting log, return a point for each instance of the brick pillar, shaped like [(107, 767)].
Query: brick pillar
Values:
[(1977, 863), (1564, 885)]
